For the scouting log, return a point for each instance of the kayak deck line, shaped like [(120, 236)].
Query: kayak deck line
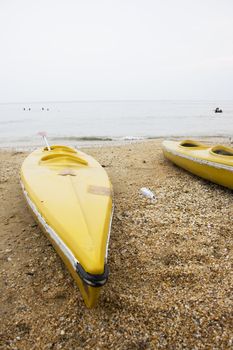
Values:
[(198, 160), (93, 280), (109, 233)]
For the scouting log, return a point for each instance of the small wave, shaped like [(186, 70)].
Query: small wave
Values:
[(81, 138), (132, 138), (102, 138), (5, 122)]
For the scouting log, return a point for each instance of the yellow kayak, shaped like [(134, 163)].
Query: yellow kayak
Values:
[(212, 163), (70, 195)]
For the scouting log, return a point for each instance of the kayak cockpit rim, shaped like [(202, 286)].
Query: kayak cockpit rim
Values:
[(93, 280), (58, 156), (60, 148)]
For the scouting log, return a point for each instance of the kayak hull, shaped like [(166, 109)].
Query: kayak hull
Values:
[(91, 284), (201, 162)]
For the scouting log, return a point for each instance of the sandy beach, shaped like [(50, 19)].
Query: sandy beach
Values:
[(171, 281)]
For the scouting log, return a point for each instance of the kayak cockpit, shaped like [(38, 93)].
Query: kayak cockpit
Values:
[(192, 144), (222, 151), (62, 158)]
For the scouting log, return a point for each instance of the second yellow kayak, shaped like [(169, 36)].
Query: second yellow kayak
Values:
[(211, 163)]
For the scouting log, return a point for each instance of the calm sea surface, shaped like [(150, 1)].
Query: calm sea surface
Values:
[(114, 120)]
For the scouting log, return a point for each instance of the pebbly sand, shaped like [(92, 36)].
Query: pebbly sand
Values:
[(171, 281)]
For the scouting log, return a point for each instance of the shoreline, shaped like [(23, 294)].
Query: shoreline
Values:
[(87, 142)]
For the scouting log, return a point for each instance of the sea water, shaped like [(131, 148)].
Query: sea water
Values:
[(113, 120)]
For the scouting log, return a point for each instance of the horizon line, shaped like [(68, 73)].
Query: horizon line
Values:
[(116, 100)]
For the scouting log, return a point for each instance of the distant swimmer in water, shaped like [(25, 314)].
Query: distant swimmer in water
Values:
[(217, 110)]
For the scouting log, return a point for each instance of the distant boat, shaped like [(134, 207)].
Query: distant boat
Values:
[(218, 110)]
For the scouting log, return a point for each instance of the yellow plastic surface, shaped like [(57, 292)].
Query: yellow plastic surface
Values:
[(208, 162), (73, 194)]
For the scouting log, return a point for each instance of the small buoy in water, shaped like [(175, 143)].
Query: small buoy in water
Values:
[(217, 110), (42, 108), (148, 193)]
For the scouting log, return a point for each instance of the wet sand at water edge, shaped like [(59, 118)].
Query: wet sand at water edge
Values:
[(171, 263)]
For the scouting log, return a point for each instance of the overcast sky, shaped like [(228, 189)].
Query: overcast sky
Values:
[(115, 49)]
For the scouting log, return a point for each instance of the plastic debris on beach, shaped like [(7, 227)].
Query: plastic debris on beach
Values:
[(146, 192)]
